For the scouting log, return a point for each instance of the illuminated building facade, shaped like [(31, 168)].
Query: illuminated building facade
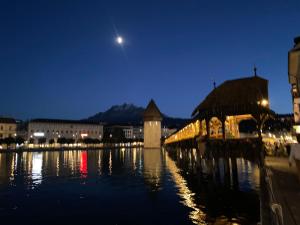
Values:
[(294, 79), (152, 126), (166, 132), (71, 129), (8, 127), (117, 133), (138, 133)]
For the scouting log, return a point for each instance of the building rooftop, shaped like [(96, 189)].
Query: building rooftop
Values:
[(64, 121), (7, 120), (152, 112)]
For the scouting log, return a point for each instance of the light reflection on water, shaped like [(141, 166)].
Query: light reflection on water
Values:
[(37, 163), (174, 187), (196, 215)]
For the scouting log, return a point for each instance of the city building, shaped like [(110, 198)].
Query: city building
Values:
[(22, 129), (52, 129), (138, 133), (8, 127), (294, 80), (166, 132), (152, 126), (133, 133), (118, 133)]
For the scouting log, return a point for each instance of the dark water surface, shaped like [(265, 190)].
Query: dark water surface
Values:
[(126, 186)]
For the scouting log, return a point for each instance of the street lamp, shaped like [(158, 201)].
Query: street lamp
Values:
[(263, 102)]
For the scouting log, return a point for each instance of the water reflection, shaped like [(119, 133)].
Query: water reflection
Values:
[(196, 215), (37, 163), (153, 168), (219, 190), (178, 186)]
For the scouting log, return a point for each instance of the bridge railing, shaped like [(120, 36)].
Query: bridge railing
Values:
[(276, 208)]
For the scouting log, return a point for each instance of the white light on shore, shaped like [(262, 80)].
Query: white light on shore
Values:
[(39, 134)]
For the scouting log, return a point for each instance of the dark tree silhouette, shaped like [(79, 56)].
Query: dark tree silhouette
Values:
[(42, 141), (9, 141), (62, 141), (70, 141), (31, 141), (51, 142), (19, 140)]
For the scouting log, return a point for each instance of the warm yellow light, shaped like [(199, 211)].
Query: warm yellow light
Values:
[(264, 102), (297, 129)]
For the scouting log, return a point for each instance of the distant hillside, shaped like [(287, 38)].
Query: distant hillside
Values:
[(131, 115)]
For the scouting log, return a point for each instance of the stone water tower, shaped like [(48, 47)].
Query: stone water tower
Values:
[(152, 126)]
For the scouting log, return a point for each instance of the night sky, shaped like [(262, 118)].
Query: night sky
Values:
[(59, 58)]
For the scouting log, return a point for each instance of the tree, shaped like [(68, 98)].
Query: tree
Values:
[(19, 140), (62, 141), (51, 141), (79, 141), (42, 141), (70, 141), (8, 141), (88, 141), (1, 141), (97, 141), (31, 141)]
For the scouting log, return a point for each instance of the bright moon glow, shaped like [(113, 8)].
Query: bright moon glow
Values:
[(119, 40)]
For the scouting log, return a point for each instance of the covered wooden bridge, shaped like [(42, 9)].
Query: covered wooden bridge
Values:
[(219, 115)]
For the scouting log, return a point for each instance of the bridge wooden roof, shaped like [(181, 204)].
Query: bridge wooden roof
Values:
[(235, 97)]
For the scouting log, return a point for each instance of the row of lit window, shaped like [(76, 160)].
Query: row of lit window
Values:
[(9, 128), (9, 135), (71, 132)]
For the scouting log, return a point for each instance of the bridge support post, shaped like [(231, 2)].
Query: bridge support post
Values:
[(207, 127), (223, 119)]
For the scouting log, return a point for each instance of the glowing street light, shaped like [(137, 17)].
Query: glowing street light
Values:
[(263, 102)]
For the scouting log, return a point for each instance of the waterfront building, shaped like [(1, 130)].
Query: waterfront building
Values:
[(294, 80), (128, 132), (152, 126), (132, 133), (22, 129), (8, 127), (138, 133), (53, 129), (166, 132), (118, 133)]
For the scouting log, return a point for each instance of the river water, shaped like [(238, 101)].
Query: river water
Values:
[(127, 186)]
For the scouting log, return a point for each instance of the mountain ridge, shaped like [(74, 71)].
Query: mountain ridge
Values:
[(130, 114)]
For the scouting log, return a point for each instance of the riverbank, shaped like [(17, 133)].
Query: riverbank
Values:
[(68, 148), (285, 188)]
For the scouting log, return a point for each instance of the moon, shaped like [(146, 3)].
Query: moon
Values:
[(119, 40)]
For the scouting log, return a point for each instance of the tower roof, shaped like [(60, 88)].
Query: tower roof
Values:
[(152, 112)]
